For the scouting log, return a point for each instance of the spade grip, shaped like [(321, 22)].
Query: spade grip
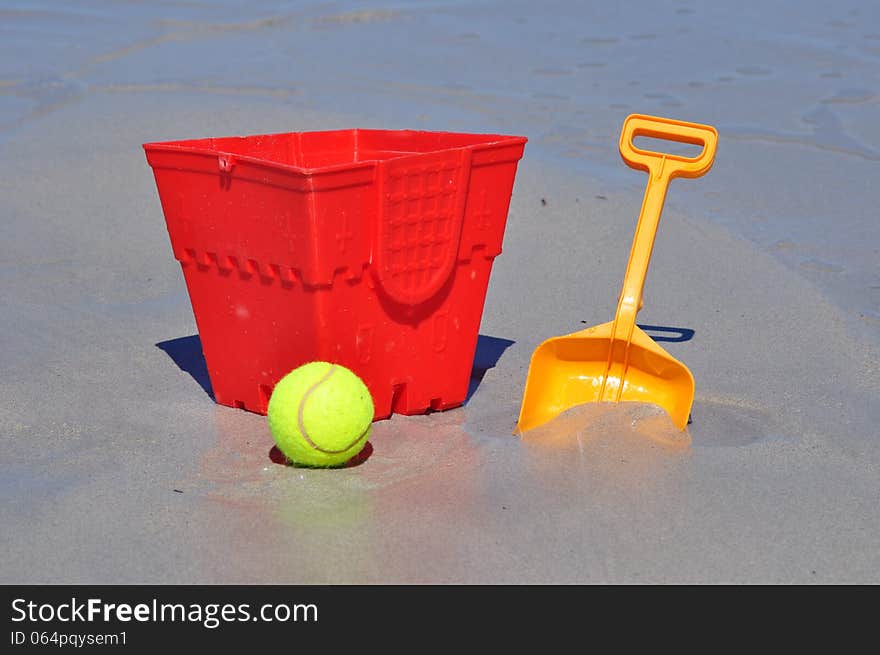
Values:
[(662, 164)]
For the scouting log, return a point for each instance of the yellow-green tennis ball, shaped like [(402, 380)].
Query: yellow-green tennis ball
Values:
[(320, 414)]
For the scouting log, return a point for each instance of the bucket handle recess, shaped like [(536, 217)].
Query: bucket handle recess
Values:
[(421, 212)]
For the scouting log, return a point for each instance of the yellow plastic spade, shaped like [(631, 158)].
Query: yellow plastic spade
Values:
[(617, 361)]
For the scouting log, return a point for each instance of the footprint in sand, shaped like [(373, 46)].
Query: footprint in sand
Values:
[(755, 71), (551, 70), (783, 245), (600, 40), (822, 267), (850, 97)]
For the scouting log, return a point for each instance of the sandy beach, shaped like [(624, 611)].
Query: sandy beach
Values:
[(117, 467)]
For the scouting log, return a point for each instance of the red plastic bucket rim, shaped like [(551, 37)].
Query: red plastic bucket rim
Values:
[(204, 146)]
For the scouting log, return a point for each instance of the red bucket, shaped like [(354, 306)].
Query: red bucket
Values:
[(368, 248)]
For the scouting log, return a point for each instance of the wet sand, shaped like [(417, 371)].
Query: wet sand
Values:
[(116, 466)]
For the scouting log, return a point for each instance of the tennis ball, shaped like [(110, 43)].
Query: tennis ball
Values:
[(320, 414)]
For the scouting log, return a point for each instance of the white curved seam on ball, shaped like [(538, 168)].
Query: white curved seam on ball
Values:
[(302, 425)]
